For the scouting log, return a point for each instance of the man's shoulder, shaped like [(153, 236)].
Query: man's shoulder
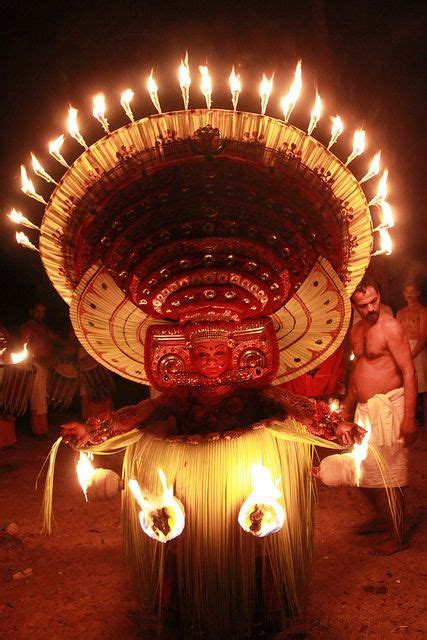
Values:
[(390, 325)]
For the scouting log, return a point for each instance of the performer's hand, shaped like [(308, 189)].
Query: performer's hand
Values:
[(349, 432), (74, 434)]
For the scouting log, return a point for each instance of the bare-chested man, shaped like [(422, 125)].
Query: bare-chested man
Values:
[(41, 344), (383, 386), (413, 319)]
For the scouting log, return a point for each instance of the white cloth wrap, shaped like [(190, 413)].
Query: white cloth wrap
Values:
[(38, 398), (385, 414), (420, 364)]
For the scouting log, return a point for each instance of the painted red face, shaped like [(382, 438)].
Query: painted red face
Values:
[(210, 358), (367, 304)]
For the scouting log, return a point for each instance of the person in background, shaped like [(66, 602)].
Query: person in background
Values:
[(383, 386), (7, 422), (413, 319), (41, 343)]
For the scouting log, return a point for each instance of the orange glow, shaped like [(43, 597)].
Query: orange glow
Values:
[(20, 356), (161, 518), (206, 85), (55, 148), (125, 100), (358, 145), (235, 88), (336, 131), (153, 91), (98, 111), (265, 90), (73, 127), (288, 102), (23, 240), (387, 214), (261, 514), (28, 187), (85, 471), (185, 80), (374, 168), (18, 218), (315, 115), (381, 194), (39, 171), (360, 451)]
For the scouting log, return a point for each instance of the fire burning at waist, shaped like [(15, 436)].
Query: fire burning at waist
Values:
[(162, 517), (261, 514)]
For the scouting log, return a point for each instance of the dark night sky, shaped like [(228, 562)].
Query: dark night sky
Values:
[(367, 59)]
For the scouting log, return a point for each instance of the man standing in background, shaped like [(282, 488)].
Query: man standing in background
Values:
[(41, 342), (413, 319), (383, 386)]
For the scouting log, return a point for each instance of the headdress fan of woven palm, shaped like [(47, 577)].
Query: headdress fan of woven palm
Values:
[(207, 209)]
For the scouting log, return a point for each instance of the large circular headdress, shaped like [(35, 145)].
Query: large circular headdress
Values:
[(207, 215)]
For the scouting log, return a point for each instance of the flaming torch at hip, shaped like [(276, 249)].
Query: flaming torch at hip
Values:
[(162, 517), (261, 514)]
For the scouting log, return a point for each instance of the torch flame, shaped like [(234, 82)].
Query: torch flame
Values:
[(288, 102), (265, 90), (358, 145), (206, 85), (18, 218), (23, 240), (386, 244), (388, 219), (336, 131), (39, 171), (99, 108), (20, 356), (152, 90), (161, 518), (261, 514), (374, 168), (235, 88), (85, 471), (28, 187), (315, 114), (360, 451), (185, 80), (73, 127), (382, 190), (125, 100), (55, 147)]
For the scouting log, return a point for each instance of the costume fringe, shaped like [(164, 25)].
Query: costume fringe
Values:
[(219, 577)]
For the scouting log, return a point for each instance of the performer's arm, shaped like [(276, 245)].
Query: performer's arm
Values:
[(114, 423), (315, 415), (398, 346)]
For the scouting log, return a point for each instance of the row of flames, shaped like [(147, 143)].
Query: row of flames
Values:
[(287, 102), (163, 517)]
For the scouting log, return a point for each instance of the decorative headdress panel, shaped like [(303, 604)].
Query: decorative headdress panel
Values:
[(207, 216)]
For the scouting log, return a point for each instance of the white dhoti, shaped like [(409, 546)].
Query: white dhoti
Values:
[(385, 414), (420, 364)]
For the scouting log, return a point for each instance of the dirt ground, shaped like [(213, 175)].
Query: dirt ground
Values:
[(78, 586)]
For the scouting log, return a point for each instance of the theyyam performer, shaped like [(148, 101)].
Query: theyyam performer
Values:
[(211, 254)]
